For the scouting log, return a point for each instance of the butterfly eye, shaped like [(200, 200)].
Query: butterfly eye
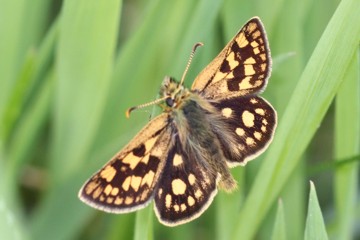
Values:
[(170, 102)]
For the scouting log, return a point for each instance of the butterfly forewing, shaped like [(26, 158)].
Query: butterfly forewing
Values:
[(241, 68), (252, 121), (126, 183), (185, 189)]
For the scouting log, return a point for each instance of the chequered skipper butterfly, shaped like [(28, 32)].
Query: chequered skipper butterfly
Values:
[(182, 156)]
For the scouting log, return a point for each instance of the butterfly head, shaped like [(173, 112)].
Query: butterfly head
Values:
[(172, 92)]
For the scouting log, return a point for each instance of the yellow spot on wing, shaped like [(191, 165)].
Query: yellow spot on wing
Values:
[(253, 100), (160, 192), (226, 112), (150, 143), (241, 40), (108, 173), (115, 191), (263, 67), (263, 56), (250, 141), (250, 60), (263, 128), (129, 200), (118, 200), (148, 178), (176, 208), (107, 189), (144, 195), (249, 70), (109, 200), (97, 192), (198, 193), (240, 132), (177, 160), (168, 200), (248, 118), (260, 111), (91, 186), (191, 179), (257, 135), (256, 34), (183, 207), (132, 160), (178, 186), (219, 76), (251, 27), (135, 183), (245, 83), (254, 44), (146, 158), (231, 60), (191, 201), (126, 183)]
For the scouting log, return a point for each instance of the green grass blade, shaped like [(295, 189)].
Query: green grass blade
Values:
[(311, 99), (15, 101), (10, 225), (21, 25), (315, 226), (32, 105), (143, 224), (87, 40), (347, 144), (279, 231), (28, 132), (83, 81)]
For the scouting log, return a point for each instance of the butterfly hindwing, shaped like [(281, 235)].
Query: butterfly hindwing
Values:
[(252, 121), (185, 189), (126, 183), (241, 68)]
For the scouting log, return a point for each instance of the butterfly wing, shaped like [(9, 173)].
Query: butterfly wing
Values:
[(126, 182), (241, 68), (185, 189), (250, 122)]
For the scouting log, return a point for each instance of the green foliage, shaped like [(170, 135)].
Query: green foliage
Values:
[(279, 232), (315, 227), (67, 77)]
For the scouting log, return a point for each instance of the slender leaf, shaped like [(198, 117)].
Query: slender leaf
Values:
[(315, 226), (347, 144), (279, 231)]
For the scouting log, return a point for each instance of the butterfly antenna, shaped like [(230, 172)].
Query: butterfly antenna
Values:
[(190, 59), (127, 113)]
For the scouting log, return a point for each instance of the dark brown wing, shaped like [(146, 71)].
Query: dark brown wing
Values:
[(126, 183), (241, 68), (251, 121), (185, 189)]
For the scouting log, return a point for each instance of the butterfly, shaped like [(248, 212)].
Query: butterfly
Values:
[(181, 157)]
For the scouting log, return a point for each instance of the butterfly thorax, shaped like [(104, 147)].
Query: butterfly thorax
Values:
[(192, 118)]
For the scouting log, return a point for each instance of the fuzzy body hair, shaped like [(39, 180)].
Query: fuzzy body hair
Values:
[(200, 128)]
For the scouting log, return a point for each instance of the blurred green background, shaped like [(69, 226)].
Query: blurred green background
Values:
[(69, 70)]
